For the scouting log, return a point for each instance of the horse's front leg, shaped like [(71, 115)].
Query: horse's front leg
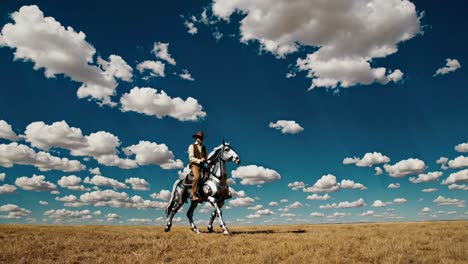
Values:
[(210, 223), (190, 211), (172, 213), (220, 216)]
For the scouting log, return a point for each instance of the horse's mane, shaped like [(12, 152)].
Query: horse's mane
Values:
[(215, 151)]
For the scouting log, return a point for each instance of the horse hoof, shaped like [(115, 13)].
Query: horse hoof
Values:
[(226, 233), (196, 231), (210, 229), (167, 228)]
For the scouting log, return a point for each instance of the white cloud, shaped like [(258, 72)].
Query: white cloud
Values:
[(456, 177), (7, 189), (138, 184), (288, 215), (327, 183), (317, 214), (2, 176), (241, 202), (378, 171), (161, 51), (367, 213), (153, 153), (368, 160), (60, 50), (35, 183), (148, 101), (155, 68), (442, 201), (429, 177), (287, 126), (13, 211), (273, 204), (399, 200), (405, 167), (463, 147), (283, 200), (192, 29), (99, 180), (463, 187), (443, 162), (254, 175), (348, 35), (64, 214), (43, 203), (426, 210), (67, 199), (162, 195), (393, 186), (343, 205), (95, 171), (429, 190), (458, 162), (349, 184), (15, 153), (295, 205), (450, 66), (296, 185), (112, 217), (119, 200), (235, 193), (6, 131), (72, 182), (186, 75), (318, 197), (143, 221), (379, 203)]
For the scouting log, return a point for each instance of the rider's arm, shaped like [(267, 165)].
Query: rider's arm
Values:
[(192, 155)]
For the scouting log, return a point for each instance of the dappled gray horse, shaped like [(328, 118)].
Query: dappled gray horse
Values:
[(214, 188)]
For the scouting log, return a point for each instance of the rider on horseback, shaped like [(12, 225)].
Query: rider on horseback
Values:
[(197, 157)]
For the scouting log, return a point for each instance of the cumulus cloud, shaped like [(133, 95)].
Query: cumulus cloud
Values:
[(426, 210), (15, 153), (112, 217), (348, 35), (63, 51), (296, 185), (60, 215), (393, 186), (463, 147), (99, 180), (349, 184), (343, 205), (319, 197), (399, 200), (368, 213), (378, 171), (186, 75), (235, 193), (72, 182), (316, 214), (6, 131), (368, 160), (462, 187), (192, 29), (119, 200), (379, 203), (405, 167), (43, 203), (161, 51), (2, 176), (162, 195), (155, 68), (254, 175), (327, 183), (442, 201), (241, 202), (443, 162), (273, 204), (138, 184), (13, 211), (35, 183), (430, 190), (7, 189), (149, 102), (286, 126), (429, 177), (456, 177), (153, 153), (295, 205), (450, 66), (458, 162)]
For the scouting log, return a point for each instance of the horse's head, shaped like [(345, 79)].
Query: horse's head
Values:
[(228, 153)]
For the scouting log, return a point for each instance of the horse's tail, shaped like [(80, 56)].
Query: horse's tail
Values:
[(170, 204)]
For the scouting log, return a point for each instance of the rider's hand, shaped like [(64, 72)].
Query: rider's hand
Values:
[(203, 159)]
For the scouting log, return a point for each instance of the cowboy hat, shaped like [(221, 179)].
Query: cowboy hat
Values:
[(199, 134)]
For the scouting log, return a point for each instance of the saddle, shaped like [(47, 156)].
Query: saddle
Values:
[(188, 180)]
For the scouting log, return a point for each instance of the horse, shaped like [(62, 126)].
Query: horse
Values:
[(214, 189)]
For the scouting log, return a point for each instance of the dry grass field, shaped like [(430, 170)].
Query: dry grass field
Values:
[(433, 242)]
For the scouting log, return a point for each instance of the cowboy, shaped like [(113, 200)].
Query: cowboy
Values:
[(197, 156)]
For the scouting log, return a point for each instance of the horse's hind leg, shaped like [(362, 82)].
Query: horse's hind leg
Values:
[(210, 223), (171, 216), (193, 227)]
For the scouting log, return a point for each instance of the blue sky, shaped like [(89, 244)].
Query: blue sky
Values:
[(376, 90)]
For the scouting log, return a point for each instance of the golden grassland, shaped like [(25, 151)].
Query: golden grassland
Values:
[(429, 242)]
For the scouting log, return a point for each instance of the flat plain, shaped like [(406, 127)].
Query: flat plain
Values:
[(416, 242)]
